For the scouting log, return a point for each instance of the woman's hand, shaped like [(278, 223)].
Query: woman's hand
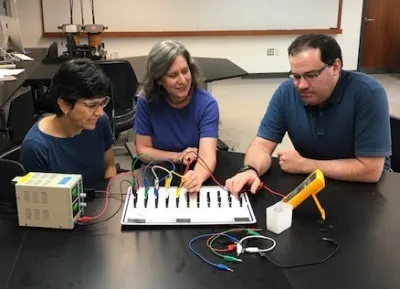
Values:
[(192, 182), (188, 155)]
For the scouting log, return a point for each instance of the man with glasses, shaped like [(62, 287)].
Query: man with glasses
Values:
[(77, 138), (337, 120)]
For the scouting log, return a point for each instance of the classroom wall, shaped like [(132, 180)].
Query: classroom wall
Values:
[(248, 52)]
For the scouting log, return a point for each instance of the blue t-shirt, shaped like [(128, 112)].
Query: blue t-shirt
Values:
[(82, 154), (354, 122), (173, 129)]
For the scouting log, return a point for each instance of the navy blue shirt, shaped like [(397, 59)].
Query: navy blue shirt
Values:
[(176, 129), (354, 122), (82, 154)]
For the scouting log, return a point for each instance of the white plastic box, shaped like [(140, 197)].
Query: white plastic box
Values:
[(279, 217)]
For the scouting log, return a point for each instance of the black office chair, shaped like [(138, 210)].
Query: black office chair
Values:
[(17, 117), (9, 169), (12, 154), (52, 52), (122, 108), (395, 134), (52, 56)]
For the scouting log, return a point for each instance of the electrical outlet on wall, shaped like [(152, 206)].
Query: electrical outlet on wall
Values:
[(270, 51)]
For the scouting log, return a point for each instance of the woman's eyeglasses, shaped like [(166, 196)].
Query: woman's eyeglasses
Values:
[(93, 106)]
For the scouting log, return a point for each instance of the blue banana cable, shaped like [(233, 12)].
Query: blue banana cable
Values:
[(219, 266)]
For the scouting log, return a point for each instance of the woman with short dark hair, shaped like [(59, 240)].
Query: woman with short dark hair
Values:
[(77, 139)]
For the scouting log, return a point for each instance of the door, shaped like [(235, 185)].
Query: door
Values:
[(380, 36)]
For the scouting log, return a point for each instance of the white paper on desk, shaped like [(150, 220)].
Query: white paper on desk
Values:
[(7, 78), (22, 56), (8, 72)]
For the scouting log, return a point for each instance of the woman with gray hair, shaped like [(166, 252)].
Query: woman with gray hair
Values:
[(175, 119)]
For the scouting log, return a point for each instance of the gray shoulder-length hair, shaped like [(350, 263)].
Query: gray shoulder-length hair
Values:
[(159, 60)]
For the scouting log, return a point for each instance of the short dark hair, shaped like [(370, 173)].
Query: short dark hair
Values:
[(78, 78), (328, 46)]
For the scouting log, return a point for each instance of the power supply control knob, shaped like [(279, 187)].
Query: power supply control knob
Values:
[(82, 195), (82, 205)]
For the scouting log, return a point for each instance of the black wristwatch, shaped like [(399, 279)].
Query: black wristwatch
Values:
[(248, 167)]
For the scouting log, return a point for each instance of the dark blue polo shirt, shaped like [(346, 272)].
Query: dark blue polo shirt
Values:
[(82, 154), (354, 122)]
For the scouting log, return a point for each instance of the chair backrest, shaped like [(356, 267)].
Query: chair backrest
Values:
[(52, 52), (122, 92), (9, 169), (395, 134), (17, 117), (12, 154), (21, 115)]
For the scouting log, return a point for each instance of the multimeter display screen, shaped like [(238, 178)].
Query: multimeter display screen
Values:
[(301, 187)]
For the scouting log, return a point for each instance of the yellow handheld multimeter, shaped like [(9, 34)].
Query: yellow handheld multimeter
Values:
[(312, 185)]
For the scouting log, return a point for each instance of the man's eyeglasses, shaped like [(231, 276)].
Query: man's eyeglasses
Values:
[(308, 75), (95, 105)]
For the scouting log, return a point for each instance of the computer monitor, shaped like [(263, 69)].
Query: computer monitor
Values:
[(11, 34)]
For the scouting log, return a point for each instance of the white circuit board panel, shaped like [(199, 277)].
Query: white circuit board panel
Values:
[(211, 206)]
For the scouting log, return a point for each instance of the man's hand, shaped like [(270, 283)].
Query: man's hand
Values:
[(237, 182), (291, 162), (192, 182), (188, 155)]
